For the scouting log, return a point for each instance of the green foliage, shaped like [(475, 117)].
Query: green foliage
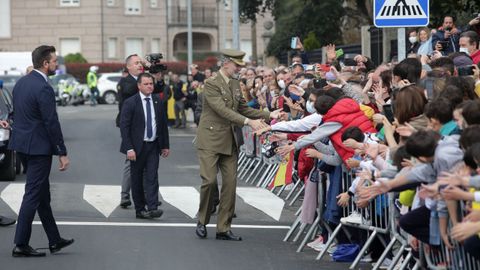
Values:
[(462, 10), (250, 8), (300, 17), (75, 58), (311, 42)]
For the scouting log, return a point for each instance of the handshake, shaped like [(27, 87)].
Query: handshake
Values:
[(259, 124)]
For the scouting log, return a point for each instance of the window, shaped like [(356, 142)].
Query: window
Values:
[(155, 46), (69, 45), (5, 20), (112, 48), (246, 46), (110, 3), (134, 46), (69, 3), (133, 7), (153, 3)]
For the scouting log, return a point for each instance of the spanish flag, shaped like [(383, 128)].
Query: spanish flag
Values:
[(284, 173)]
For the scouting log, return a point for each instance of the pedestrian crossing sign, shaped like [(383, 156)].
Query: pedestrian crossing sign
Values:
[(401, 13)]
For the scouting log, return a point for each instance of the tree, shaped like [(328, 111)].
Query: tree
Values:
[(75, 58), (300, 17), (462, 10), (311, 42), (250, 8)]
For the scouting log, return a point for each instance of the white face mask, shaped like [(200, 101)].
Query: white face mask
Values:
[(412, 39), (464, 50), (281, 83), (273, 94), (309, 107)]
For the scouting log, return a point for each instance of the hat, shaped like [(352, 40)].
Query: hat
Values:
[(235, 55), (462, 60)]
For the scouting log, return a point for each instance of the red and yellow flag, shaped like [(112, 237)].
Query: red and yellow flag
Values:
[(284, 172)]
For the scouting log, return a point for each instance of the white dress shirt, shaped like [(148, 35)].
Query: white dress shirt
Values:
[(41, 73), (154, 122)]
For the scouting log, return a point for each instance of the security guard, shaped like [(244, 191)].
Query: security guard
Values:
[(92, 81), (223, 108)]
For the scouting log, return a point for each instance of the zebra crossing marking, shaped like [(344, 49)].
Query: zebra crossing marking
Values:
[(263, 200), (12, 195), (185, 199), (104, 198)]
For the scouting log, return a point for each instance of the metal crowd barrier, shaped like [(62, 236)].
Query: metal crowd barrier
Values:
[(255, 168), (442, 257)]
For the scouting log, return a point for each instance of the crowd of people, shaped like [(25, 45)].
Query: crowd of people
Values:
[(405, 127)]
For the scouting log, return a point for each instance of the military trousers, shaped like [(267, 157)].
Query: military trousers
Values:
[(210, 163)]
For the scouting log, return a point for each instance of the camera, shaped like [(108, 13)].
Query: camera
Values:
[(270, 149), (319, 83), (154, 60)]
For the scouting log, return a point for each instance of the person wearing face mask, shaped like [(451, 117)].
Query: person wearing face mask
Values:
[(469, 45), (413, 45)]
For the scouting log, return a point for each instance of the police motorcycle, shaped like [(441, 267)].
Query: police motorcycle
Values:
[(70, 92)]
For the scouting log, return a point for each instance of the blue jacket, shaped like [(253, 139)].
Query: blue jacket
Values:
[(36, 129), (132, 124)]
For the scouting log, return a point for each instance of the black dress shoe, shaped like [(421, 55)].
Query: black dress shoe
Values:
[(125, 202), (63, 243), (201, 230), (26, 251), (228, 236), (4, 221), (144, 214), (156, 213)]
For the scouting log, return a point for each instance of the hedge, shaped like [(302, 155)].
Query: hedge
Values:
[(80, 70)]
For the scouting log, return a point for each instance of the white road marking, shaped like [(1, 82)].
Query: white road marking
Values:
[(185, 199), (189, 167), (103, 197), (12, 195), (263, 200), (179, 225)]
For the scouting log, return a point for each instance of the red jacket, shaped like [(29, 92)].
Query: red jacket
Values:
[(346, 112)]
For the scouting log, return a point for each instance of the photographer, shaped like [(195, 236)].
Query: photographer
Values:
[(447, 37)]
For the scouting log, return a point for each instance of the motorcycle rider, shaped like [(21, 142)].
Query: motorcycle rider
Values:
[(92, 81)]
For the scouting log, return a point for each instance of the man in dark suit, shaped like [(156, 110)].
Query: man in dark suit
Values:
[(37, 136), (143, 125), (127, 87)]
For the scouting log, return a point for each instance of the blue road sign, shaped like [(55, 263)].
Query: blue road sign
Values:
[(401, 13)]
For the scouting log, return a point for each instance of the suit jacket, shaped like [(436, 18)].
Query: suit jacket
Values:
[(132, 124), (36, 129), (126, 87), (223, 108)]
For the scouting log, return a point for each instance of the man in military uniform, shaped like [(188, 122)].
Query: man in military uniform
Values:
[(223, 108)]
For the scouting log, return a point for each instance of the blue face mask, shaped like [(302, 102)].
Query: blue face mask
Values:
[(294, 97)]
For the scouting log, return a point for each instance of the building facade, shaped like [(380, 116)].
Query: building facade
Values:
[(109, 30)]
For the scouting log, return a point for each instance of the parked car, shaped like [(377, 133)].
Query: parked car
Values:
[(107, 87), (7, 157), (9, 81)]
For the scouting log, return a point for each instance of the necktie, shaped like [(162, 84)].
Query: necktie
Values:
[(149, 119)]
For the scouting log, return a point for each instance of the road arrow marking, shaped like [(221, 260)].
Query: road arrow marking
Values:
[(13, 196), (103, 197), (263, 200), (186, 199)]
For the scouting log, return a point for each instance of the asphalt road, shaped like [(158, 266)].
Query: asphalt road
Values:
[(114, 239)]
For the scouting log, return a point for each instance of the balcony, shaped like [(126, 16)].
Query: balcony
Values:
[(201, 16)]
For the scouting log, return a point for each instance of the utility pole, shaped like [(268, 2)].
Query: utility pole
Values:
[(236, 24), (189, 35)]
